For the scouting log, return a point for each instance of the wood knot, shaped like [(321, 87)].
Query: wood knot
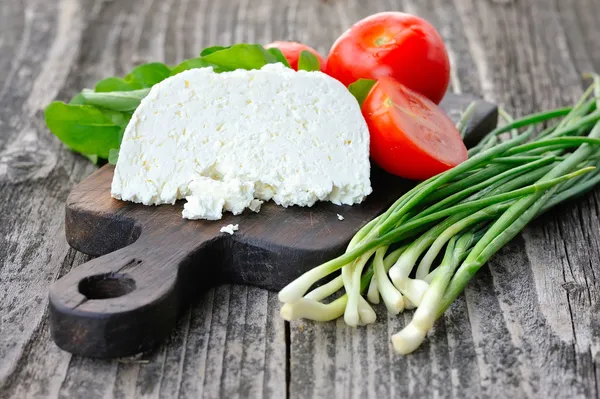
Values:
[(572, 287), (26, 164)]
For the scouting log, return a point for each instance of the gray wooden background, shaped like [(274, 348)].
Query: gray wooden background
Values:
[(527, 326)]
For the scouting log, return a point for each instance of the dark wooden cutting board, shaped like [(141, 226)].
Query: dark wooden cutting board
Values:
[(152, 262)]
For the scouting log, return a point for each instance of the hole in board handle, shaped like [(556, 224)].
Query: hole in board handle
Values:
[(105, 286)]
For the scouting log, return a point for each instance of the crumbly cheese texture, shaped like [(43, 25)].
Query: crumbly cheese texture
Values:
[(230, 228), (210, 197), (229, 141)]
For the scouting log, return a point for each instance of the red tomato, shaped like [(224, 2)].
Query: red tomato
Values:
[(292, 50), (393, 44), (410, 135)]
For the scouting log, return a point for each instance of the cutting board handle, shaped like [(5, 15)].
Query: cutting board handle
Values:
[(127, 301), (124, 302)]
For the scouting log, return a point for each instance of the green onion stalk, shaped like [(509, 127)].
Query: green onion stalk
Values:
[(424, 250)]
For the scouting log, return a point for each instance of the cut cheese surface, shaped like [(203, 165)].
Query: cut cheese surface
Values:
[(229, 141)]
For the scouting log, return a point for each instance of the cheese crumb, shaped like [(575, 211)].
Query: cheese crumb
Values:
[(340, 217), (208, 198), (230, 228), (255, 205)]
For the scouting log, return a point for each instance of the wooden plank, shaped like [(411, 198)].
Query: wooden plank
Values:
[(531, 330), (33, 167), (231, 344), (520, 331), (53, 49), (541, 363)]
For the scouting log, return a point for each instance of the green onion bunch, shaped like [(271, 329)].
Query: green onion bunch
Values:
[(426, 247)]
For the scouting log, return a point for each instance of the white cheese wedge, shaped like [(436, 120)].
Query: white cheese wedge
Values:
[(229, 141)]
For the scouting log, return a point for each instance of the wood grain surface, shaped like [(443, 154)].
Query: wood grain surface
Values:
[(527, 326)]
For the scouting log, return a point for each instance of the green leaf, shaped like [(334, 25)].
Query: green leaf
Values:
[(213, 49), (77, 99), (361, 88), (113, 156), (140, 77), (115, 100), (147, 75), (93, 158), (241, 56), (275, 52), (85, 128), (192, 64), (238, 56), (308, 62), (116, 84)]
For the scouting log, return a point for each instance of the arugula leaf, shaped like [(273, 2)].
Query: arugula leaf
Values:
[(93, 158), (147, 75), (361, 88), (308, 62), (113, 156), (241, 56), (116, 84), (193, 63), (213, 49), (77, 99), (86, 129), (141, 77), (115, 100), (238, 56), (275, 52)]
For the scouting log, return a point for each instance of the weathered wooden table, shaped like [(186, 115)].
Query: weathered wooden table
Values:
[(527, 326)]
